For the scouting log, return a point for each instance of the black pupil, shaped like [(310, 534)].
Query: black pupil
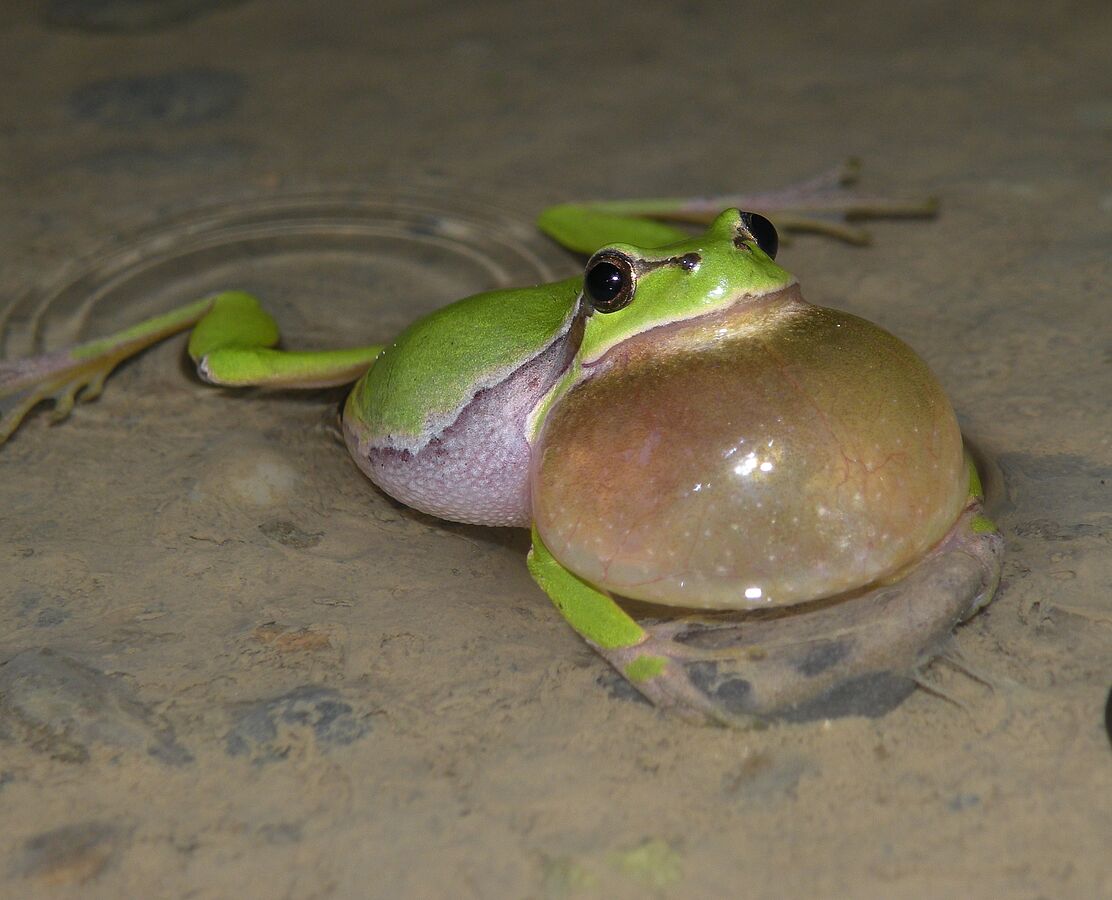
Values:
[(764, 233), (605, 281)]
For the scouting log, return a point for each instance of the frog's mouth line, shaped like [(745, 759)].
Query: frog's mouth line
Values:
[(744, 304)]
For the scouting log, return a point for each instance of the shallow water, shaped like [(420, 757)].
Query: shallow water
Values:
[(231, 665)]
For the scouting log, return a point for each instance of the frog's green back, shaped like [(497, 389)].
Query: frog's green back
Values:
[(421, 381)]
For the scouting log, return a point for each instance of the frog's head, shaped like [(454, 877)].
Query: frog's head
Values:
[(629, 290)]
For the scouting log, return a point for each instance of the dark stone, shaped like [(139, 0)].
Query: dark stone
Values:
[(265, 730), (732, 694), (61, 707), (138, 157), (289, 535), (48, 618), (185, 97), (128, 15), (962, 802), (281, 833), (71, 854), (872, 695)]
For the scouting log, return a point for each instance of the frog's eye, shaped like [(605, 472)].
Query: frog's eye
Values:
[(609, 281), (762, 231)]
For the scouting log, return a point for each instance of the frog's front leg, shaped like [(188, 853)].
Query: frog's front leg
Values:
[(855, 655), (233, 344), (652, 666)]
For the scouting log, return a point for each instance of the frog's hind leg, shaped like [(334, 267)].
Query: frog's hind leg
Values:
[(845, 656), (232, 344), (646, 661), (825, 204), (76, 374)]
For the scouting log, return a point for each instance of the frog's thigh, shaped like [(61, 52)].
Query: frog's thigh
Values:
[(233, 345)]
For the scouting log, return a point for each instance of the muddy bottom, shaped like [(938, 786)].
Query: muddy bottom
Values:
[(230, 666)]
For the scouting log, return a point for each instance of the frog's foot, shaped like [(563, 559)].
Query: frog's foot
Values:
[(851, 655), (76, 374), (836, 657), (25, 383), (825, 204)]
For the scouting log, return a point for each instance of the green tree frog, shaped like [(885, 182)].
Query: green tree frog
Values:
[(780, 489)]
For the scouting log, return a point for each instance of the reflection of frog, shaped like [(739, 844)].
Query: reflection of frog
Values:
[(679, 427)]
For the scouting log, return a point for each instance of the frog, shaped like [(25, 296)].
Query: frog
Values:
[(751, 507)]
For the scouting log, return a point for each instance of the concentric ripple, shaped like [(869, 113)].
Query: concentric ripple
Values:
[(335, 267)]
